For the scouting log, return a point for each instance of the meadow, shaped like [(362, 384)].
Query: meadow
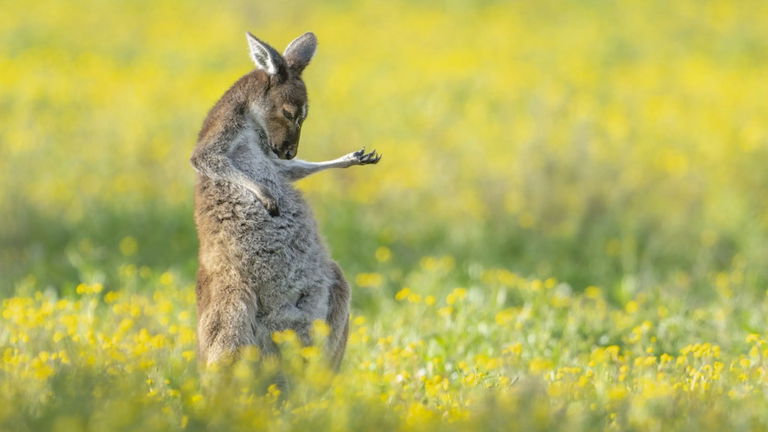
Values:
[(566, 232)]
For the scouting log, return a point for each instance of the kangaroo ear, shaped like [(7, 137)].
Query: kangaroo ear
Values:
[(299, 52), (265, 57)]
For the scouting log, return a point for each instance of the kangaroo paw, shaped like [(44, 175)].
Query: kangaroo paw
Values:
[(363, 158), (271, 205)]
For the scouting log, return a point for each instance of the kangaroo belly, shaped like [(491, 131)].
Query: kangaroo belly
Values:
[(280, 262)]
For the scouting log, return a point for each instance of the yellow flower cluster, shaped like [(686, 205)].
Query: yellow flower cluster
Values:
[(412, 371)]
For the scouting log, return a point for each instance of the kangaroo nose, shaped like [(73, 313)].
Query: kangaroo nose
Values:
[(288, 153)]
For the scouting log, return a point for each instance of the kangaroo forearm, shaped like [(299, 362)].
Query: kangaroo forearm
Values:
[(219, 166), (234, 175), (297, 169)]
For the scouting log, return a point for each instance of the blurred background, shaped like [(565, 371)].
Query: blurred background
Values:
[(619, 144)]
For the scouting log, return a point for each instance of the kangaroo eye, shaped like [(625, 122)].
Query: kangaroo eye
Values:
[(289, 115)]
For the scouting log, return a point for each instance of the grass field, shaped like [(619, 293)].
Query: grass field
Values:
[(567, 230)]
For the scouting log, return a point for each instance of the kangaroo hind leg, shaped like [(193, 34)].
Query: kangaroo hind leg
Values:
[(338, 319), (224, 327)]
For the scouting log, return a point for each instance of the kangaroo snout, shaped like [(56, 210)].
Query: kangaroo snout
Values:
[(289, 151), (286, 150)]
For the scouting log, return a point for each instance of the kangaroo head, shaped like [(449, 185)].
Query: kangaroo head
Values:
[(282, 107)]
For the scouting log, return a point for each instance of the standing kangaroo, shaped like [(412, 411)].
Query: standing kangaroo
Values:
[(262, 264)]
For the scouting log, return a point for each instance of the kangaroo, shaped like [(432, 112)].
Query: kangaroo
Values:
[(263, 266)]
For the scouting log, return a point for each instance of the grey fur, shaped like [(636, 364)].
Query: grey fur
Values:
[(263, 266)]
